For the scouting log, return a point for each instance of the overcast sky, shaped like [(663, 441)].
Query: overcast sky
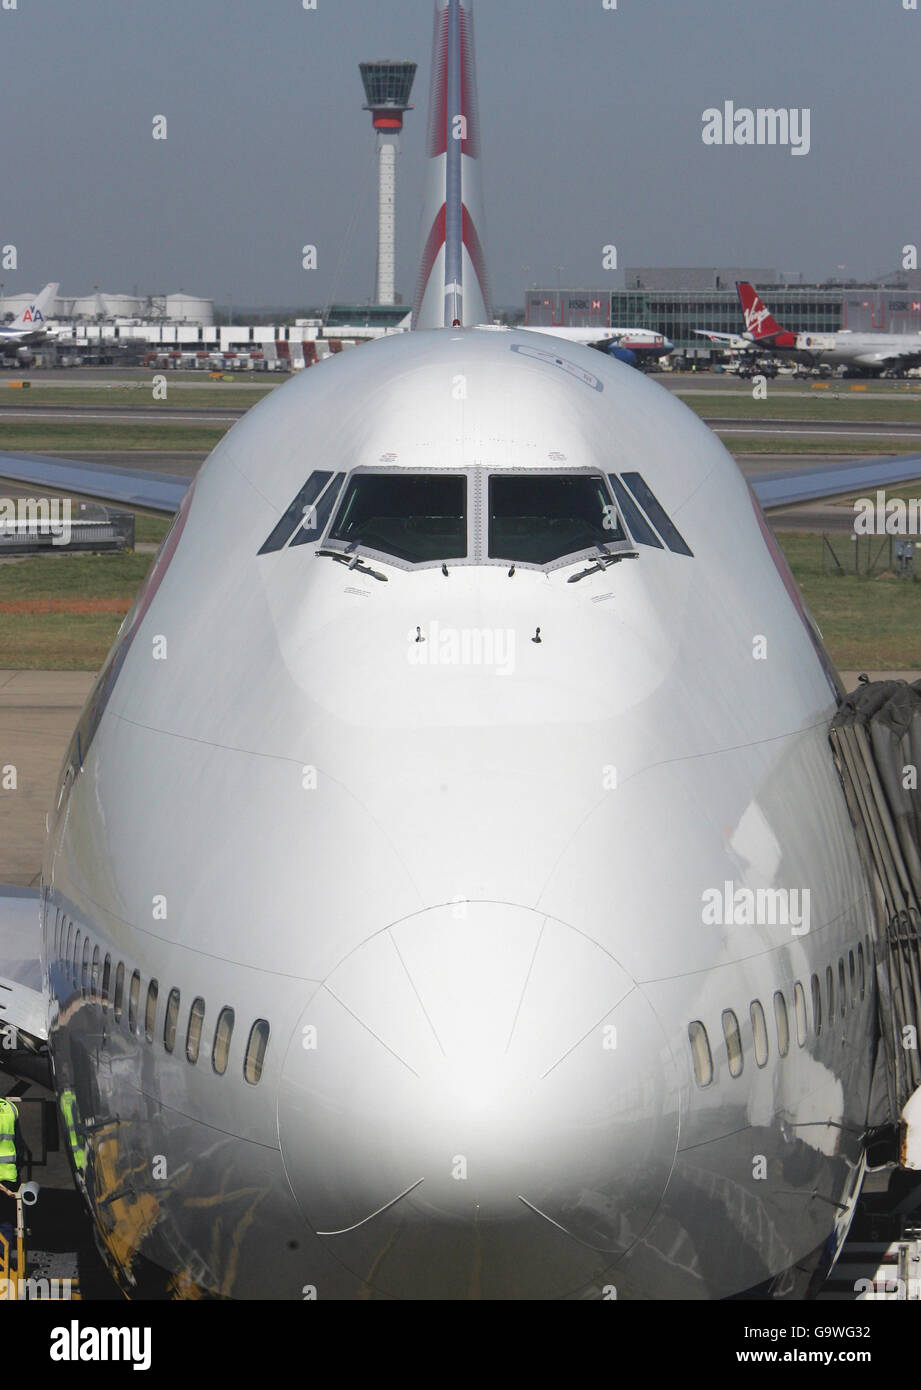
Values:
[(592, 122)]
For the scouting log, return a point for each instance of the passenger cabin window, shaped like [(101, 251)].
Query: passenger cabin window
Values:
[(171, 1020), (852, 971), (416, 517), (222, 1035), (783, 1024), (193, 1033), (842, 988), (150, 1010), (861, 971), (94, 977), (817, 1005), (106, 978), (733, 1042), (700, 1052), (802, 1019), (76, 959), (119, 991), (134, 995), (759, 1033), (85, 975), (830, 994), (255, 1051), (536, 518)]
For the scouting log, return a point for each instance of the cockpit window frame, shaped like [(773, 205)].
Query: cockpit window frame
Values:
[(385, 557), (573, 557), (478, 477)]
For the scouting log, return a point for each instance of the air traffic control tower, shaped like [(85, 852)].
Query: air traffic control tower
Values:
[(387, 88)]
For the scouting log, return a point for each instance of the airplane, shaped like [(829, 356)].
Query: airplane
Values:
[(635, 346), (30, 327), (388, 943), (867, 354)]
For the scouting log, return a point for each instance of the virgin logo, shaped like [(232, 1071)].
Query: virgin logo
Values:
[(755, 317)]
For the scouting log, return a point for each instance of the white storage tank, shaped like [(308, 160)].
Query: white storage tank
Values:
[(189, 308)]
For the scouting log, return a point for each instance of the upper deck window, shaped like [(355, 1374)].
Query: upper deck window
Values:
[(416, 517), (536, 518)]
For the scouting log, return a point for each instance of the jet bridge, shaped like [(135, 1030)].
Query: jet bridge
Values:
[(876, 741)]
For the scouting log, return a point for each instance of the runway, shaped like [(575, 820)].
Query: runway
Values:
[(725, 384), (879, 429)]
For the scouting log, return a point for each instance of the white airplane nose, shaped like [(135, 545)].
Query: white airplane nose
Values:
[(475, 1089)]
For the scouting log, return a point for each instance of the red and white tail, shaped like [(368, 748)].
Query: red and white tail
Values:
[(452, 285), (759, 321)]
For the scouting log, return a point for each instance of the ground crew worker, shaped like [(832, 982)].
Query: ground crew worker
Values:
[(74, 1139), (9, 1166), (9, 1173)]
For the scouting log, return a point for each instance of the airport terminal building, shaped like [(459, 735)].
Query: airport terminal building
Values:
[(676, 301)]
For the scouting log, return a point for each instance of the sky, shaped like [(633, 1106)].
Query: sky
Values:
[(591, 118)]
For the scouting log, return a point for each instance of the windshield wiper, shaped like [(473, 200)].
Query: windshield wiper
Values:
[(603, 562), (354, 562)]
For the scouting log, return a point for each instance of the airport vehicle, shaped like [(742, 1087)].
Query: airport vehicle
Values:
[(30, 327), (859, 354), (392, 935), (750, 369)]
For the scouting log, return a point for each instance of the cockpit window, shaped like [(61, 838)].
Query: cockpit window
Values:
[(536, 518), (417, 517)]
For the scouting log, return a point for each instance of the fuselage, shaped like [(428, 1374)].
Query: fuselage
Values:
[(872, 351), (642, 342), (465, 847)]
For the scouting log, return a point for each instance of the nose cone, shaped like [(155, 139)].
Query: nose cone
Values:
[(478, 1102)]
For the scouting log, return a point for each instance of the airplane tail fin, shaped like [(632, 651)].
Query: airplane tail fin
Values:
[(759, 321), (452, 285), (34, 315)]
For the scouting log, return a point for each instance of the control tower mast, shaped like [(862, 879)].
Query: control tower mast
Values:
[(387, 90)]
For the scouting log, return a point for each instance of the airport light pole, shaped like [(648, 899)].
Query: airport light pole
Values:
[(387, 86)]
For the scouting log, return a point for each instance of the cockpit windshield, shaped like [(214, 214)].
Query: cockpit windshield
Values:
[(416, 517), (536, 518)]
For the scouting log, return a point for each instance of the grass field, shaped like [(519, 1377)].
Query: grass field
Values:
[(74, 437), (139, 396), (871, 624), (859, 445), (79, 637)]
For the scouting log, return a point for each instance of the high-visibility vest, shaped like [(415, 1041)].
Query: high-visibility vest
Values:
[(68, 1105), (9, 1171)]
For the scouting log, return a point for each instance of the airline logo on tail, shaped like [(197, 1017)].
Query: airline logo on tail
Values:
[(32, 318), (452, 285), (759, 321)]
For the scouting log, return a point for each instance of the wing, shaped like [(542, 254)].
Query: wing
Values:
[(834, 480), (149, 491), (729, 340), (23, 1003)]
